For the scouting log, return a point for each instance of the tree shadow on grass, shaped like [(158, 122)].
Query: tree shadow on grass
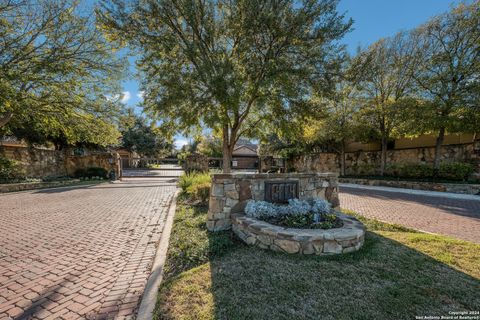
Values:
[(214, 275), (384, 280)]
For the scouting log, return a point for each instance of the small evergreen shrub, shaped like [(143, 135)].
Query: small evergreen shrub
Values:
[(91, 172), (364, 169), (189, 179), (11, 170), (196, 186), (455, 170), (410, 170), (79, 173), (96, 172), (199, 192)]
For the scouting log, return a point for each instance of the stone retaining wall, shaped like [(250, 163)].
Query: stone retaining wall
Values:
[(230, 192), (367, 163), (14, 187), (40, 163), (348, 238), (463, 188)]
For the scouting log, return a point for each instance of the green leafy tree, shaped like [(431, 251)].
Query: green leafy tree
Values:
[(56, 72), (210, 146), (340, 122), (228, 65), (144, 139), (75, 130), (447, 72), (385, 85)]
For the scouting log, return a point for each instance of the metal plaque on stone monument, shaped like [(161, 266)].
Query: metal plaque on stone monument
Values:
[(280, 191)]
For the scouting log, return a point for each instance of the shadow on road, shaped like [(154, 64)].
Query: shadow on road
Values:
[(463, 207)]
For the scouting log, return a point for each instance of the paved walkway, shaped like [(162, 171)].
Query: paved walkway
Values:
[(458, 217), (80, 252)]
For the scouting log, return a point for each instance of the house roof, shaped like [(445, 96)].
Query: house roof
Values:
[(247, 149)]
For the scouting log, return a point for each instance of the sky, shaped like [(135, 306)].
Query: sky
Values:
[(373, 19)]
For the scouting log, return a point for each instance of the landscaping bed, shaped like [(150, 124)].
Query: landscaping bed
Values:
[(398, 274), (347, 238)]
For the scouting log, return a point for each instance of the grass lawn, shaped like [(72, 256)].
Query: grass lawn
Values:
[(398, 274)]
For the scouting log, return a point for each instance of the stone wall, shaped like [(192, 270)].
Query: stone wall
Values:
[(346, 239), (108, 161), (230, 192), (358, 163), (40, 163), (37, 162)]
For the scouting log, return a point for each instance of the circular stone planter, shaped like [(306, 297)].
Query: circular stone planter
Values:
[(348, 238)]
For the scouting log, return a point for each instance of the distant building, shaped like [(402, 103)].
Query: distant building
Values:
[(245, 156)]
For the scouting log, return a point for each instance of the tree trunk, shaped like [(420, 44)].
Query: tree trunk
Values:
[(383, 157), (438, 149), (227, 158), (5, 118), (227, 151), (342, 158)]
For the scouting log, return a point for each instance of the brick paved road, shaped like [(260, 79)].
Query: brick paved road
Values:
[(153, 173), (79, 253), (454, 217)]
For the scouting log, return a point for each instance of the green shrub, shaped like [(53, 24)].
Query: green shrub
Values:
[(91, 172), (96, 172), (364, 169), (79, 173), (449, 171), (11, 170), (55, 178), (189, 179), (455, 170), (414, 170), (199, 192), (196, 186)]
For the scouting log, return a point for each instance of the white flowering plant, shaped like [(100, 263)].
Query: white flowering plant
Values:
[(316, 213), (260, 209), (321, 206)]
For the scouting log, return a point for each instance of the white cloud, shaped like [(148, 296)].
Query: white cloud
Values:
[(125, 96), (140, 95), (179, 143)]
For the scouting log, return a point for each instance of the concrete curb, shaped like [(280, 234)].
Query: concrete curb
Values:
[(149, 298), (449, 195)]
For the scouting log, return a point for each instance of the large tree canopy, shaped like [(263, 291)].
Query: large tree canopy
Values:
[(447, 72), (422, 81), (228, 65), (57, 71), (143, 138), (385, 85)]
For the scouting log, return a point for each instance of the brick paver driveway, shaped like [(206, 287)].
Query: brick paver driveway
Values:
[(458, 218), (80, 253)]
